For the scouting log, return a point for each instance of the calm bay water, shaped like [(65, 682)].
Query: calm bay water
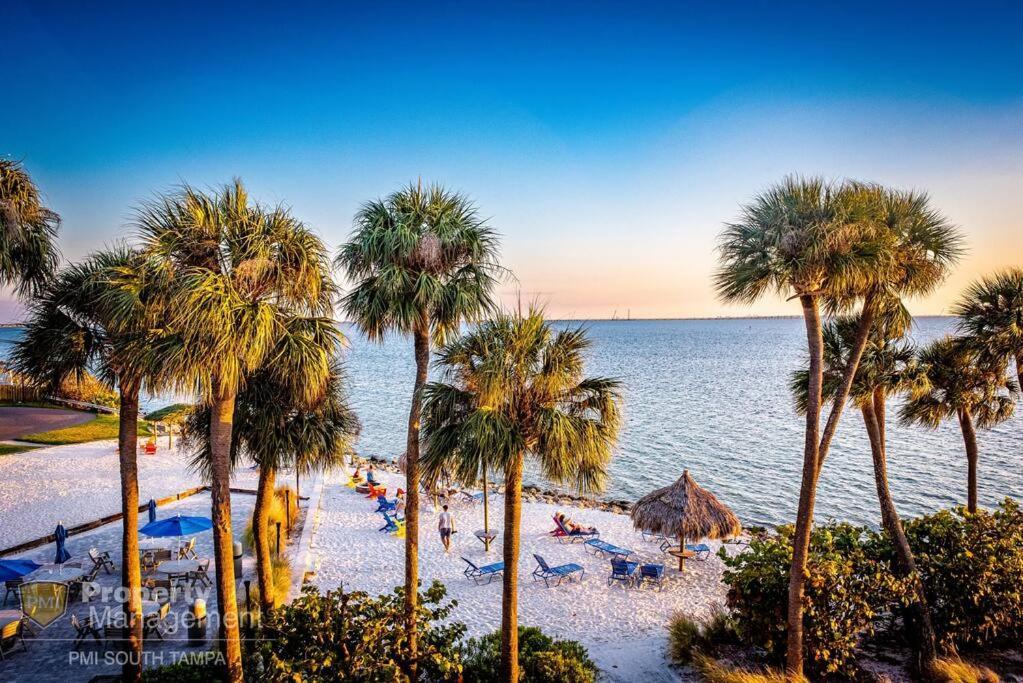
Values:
[(711, 396)]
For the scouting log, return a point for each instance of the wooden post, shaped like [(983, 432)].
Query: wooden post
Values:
[(287, 508), (486, 514), (278, 539)]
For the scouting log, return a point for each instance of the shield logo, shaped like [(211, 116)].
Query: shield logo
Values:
[(44, 601)]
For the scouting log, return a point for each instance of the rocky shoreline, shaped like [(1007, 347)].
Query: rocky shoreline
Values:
[(530, 494)]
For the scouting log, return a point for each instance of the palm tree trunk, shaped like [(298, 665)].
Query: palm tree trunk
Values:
[(510, 593), (131, 572), (972, 455), (921, 631), (221, 424), (848, 377), (261, 536), (1019, 369), (422, 350), (807, 490)]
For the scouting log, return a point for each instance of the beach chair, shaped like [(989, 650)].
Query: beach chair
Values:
[(391, 524), (561, 572), (84, 629), (149, 448), (161, 590), (603, 549), (102, 560), (384, 505), (201, 574), (187, 551), (700, 551), (623, 571), (563, 534), (485, 574), (653, 573), (12, 633), (151, 624), (374, 492)]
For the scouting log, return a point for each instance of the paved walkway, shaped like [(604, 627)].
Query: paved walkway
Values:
[(18, 422)]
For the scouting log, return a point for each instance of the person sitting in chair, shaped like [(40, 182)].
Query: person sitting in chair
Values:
[(573, 528), (357, 475)]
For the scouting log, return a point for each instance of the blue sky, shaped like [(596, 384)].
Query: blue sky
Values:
[(607, 142)]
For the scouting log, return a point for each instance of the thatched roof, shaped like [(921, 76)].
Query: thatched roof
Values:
[(685, 509)]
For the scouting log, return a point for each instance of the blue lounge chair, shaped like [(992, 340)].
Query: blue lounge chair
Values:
[(654, 573), (563, 534), (561, 572), (700, 550), (384, 505), (486, 574), (604, 548), (622, 570), (390, 525)]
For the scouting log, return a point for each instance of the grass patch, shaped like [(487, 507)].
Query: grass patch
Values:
[(173, 412), (10, 449), (105, 426)]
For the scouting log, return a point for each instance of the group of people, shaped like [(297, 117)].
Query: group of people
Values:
[(445, 521)]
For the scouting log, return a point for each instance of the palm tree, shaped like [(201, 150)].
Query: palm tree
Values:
[(888, 367), (28, 231), (991, 311), (963, 384), (515, 388), (830, 246), (96, 316), (237, 275), (276, 429), (422, 262)]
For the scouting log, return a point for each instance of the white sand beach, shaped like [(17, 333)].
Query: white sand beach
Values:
[(624, 629)]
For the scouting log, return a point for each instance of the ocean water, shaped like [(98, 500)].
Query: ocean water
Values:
[(711, 396)]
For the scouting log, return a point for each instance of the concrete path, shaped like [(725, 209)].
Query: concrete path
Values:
[(18, 422)]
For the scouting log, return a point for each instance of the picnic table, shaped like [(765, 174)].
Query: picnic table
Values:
[(178, 566)]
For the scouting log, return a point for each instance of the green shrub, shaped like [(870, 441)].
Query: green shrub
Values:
[(846, 589), (972, 570), (186, 671), (355, 637), (687, 638), (542, 659)]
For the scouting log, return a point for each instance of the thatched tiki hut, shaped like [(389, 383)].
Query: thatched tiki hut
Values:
[(687, 511)]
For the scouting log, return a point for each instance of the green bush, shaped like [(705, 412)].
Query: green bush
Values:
[(355, 637), (542, 659), (846, 589), (972, 570), (687, 638)]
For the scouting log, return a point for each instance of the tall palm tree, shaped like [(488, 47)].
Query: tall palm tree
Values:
[(991, 311), (515, 388), (830, 246), (278, 429), (888, 367), (28, 231), (237, 274), (98, 315), (422, 262), (963, 384)]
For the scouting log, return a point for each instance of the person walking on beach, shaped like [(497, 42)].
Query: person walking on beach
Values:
[(446, 526)]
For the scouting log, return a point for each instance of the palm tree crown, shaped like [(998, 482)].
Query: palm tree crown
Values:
[(958, 380), (28, 231), (420, 257), (241, 277), (991, 311), (516, 387)]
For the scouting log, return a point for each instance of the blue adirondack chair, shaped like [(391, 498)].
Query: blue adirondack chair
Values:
[(390, 524), (561, 572), (384, 505), (622, 570), (485, 574), (653, 573)]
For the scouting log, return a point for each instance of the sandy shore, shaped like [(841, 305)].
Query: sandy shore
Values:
[(623, 628)]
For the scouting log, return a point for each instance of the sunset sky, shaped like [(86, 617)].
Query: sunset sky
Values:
[(607, 142)]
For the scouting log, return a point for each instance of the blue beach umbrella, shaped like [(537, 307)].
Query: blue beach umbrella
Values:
[(177, 526), (60, 534), (152, 510), (14, 569)]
